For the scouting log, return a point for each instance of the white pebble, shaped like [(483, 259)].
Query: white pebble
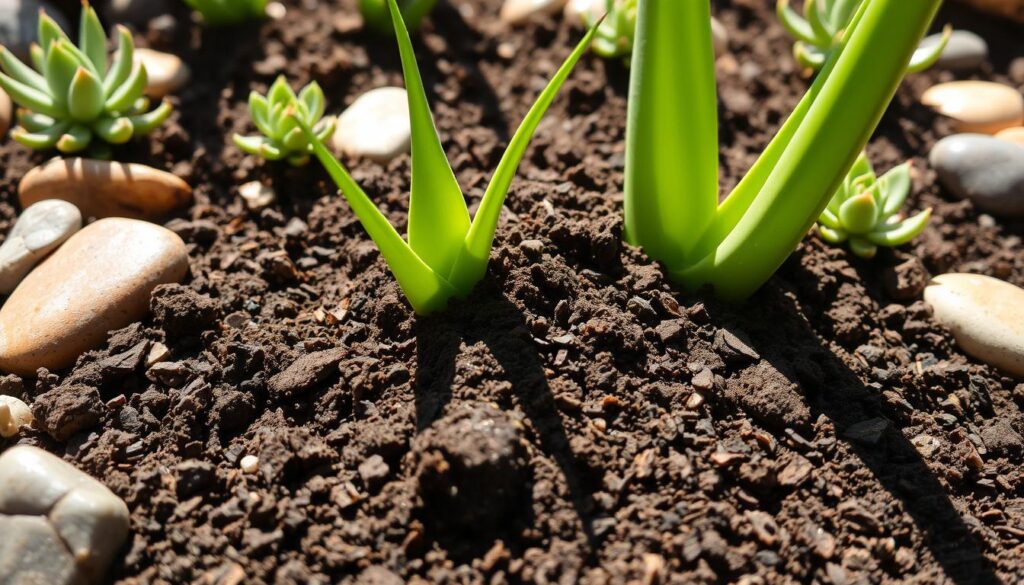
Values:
[(41, 228), (250, 464), (14, 414), (256, 195), (376, 125)]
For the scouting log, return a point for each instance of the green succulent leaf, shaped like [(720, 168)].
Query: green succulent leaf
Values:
[(85, 96), (122, 66), (277, 116), (114, 130), (75, 139), (93, 40), (228, 12)]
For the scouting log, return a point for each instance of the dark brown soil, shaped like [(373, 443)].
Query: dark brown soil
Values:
[(578, 419)]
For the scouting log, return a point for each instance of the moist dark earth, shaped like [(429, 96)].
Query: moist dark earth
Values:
[(578, 418)]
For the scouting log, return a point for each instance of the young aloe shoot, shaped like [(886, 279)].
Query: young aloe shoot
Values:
[(282, 138), (865, 210), (70, 95), (819, 32), (671, 175), (615, 35), (376, 15), (447, 251), (225, 12)]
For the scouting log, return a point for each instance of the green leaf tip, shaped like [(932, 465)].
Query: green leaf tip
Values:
[(228, 12), (70, 94)]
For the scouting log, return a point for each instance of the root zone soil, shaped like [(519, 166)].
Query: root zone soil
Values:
[(578, 419)]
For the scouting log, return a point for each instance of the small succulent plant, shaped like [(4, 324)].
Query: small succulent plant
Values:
[(819, 32), (281, 137), (864, 210), (222, 12), (615, 35), (70, 96), (376, 15)]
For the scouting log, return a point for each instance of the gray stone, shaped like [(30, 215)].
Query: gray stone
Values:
[(986, 170), (965, 50), (59, 525), (19, 23), (39, 230)]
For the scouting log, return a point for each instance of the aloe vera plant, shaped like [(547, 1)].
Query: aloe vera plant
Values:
[(70, 95), (671, 175), (222, 12), (281, 138), (447, 250), (865, 210), (377, 16), (819, 32)]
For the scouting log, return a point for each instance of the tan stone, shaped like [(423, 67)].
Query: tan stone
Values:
[(1015, 134), (106, 189), (99, 280), (14, 414), (522, 11), (6, 112), (977, 106), (985, 315), (166, 73)]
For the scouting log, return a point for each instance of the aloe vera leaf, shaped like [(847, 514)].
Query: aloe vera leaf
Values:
[(925, 57)]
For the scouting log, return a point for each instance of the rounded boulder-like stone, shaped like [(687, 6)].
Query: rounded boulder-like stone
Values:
[(59, 525), (985, 315), (977, 106), (964, 51), (376, 125), (102, 188), (99, 280), (166, 73), (37, 232), (987, 170)]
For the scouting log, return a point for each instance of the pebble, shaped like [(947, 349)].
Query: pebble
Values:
[(977, 106), (249, 464), (39, 230), (166, 73), (99, 280), (14, 414), (1015, 134), (60, 526), (137, 12), (985, 315), (522, 11), (987, 170), (106, 189), (375, 126), (19, 23), (964, 51), (256, 195), (6, 113)]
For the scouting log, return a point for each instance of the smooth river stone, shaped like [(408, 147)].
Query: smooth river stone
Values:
[(37, 232), (375, 126), (6, 113), (166, 73), (522, 11), (985, 315), (99, 280), (19, 23), (14, 414), (102, 188), (964, 51), (1015, 135), (977, 106), (59, 525), (987, 170)]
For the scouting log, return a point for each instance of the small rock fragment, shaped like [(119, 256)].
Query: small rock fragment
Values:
[(14, 414), (985, 315), (977, 106), (67, 410), (306, 371), (39, 230), (987, 170), (517, 12), (102, 188), (906, 280), (60, 526), (256, 195), (868, 432), (375, 126), (249, 464), (373, 470)]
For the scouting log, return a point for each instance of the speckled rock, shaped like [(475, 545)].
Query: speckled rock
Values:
[(375, 126), (522, 11), (19, 23), (102, 188), (99, 280), (977, 106), (985, 315), (989, 171), (166, 73), (964, 51), (37, 232), (59, 526)]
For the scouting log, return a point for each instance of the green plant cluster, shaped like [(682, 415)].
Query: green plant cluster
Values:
[(226, 12), (70, 96), (615, 34), (378, 17), (820, 31), (278, 115), (865, 210)]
